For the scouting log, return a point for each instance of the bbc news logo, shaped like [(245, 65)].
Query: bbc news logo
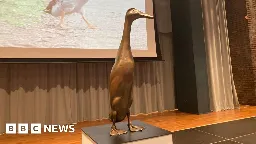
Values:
[(36, 128)]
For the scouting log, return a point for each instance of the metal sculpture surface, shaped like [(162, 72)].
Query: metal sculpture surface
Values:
[(121, 77)]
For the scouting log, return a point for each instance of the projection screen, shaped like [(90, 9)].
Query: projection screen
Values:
[(90, 28)]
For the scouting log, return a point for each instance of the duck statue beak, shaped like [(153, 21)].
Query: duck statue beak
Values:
[(144, 15)]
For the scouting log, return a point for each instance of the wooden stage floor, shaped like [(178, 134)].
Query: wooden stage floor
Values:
[(172, 121)]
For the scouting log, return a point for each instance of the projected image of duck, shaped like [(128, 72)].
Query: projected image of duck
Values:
[(60, 8), (90, 25)]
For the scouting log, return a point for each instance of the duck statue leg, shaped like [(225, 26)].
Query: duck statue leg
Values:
[(133, 128), (114, 131)]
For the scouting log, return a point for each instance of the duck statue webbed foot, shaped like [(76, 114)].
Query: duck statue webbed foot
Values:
[(114, 131), (133, 128)]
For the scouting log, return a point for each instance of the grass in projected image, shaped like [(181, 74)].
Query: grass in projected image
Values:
[(25, 24), (21, 12)]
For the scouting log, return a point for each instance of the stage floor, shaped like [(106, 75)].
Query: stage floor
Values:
[(241, 131), (185, 127)]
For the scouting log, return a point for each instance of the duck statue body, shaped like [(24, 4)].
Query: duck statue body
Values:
[(121, 77)]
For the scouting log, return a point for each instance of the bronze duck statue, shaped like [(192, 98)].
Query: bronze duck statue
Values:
[(121, 77)]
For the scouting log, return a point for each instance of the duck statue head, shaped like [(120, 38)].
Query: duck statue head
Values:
[(132, 14)]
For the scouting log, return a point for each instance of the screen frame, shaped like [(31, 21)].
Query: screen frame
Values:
[(84, 60)]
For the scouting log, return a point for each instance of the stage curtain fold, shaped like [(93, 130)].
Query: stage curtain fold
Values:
[(222, 89)]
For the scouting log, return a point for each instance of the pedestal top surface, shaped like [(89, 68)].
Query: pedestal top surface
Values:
[(100, 134)]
